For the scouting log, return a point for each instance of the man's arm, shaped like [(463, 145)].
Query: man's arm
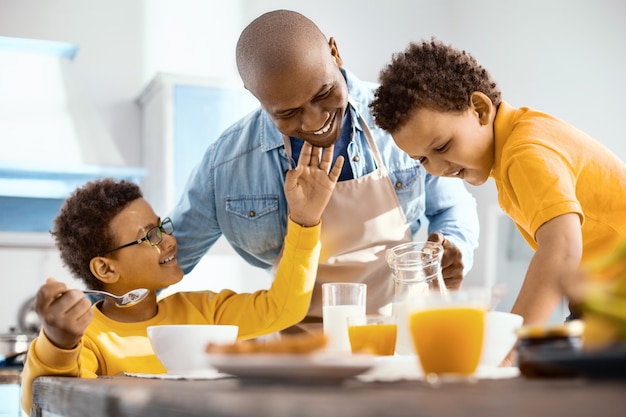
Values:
[(195, 218), (451, 211)]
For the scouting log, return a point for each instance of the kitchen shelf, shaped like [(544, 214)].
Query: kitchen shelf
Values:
[(31, 196)]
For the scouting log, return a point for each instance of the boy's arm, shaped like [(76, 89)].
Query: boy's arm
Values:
[(558, 256), (65, 315), (308, 189), (45, 359), (287, 301), (556, 261)]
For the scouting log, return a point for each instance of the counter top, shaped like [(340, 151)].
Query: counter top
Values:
[(127, 396)]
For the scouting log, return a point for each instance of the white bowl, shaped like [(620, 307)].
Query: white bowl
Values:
[(181, 348), (500, 337)]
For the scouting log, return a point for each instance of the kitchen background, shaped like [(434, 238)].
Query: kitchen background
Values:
[(566, 57)]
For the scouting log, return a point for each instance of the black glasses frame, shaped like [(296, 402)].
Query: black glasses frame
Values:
[(166, 227)]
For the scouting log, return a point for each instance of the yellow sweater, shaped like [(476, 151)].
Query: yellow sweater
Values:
[(110, 347)]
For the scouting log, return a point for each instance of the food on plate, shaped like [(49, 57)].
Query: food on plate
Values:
[(303, 343)]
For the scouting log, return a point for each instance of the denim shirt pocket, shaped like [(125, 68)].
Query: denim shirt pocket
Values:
[(256, 223), (409, 184)]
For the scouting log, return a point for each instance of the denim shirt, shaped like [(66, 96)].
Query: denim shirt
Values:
[(237, 189)]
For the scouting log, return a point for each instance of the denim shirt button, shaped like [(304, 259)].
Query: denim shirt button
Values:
[(356, 158), (252, 214), (398, 185)]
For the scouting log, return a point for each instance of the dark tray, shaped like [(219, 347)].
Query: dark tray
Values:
[(547, 361)]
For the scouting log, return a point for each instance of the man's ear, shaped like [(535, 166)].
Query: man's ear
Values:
[(334, 51), (104, 269), (483, 106)]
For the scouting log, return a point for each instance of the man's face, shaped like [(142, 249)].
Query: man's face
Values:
[(308, 98), (449, 144)]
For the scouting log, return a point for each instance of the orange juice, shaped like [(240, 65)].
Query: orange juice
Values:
[(448, 340), (377, 339)]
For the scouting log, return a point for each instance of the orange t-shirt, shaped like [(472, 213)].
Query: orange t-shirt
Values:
[(545, 167)]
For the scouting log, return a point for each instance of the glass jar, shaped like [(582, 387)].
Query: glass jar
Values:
[(416, 271)]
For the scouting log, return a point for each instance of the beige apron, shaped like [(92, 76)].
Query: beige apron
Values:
[(362, 220)]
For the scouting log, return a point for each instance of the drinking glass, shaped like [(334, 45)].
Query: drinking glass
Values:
[(373, 334), (341, 300), (448, 332), (416, 272)]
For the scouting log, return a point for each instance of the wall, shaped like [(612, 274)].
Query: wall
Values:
[(562, 56), (122, 45)]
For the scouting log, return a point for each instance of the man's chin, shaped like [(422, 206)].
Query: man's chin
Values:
[(325, 144), (326, 140)]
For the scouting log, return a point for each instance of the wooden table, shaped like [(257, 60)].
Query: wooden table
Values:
[(129, 396)]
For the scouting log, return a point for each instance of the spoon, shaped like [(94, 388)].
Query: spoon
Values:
[(125, 300)]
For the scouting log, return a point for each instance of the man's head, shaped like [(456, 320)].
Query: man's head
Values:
[(439, 106), (286, 62)]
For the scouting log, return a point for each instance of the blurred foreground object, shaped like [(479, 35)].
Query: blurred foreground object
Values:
[(604, 302), (595, 346), (539, 346)]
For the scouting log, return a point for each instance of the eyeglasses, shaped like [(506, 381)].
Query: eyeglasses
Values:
[(153, 236)]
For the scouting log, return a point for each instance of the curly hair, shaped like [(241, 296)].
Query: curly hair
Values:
[(81, 229), (429, 75)]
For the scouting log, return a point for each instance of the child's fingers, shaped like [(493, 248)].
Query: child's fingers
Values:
[(305, 154), (291, 180), (336, 171), (327, 158), (50, 291), (315, 156)]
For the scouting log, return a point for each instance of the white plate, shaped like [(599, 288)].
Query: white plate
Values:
[(310, 369), (199, 374)]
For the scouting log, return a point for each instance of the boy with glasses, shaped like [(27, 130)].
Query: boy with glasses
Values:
[(110, 237)]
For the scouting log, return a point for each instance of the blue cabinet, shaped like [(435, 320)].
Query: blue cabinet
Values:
[(9, 400), (31, 195), (9, 394)]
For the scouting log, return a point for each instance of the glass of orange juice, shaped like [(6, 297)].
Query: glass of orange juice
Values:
[(373, 334), (447, 332)]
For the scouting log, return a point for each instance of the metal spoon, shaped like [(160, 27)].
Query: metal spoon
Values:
[(125, 300)]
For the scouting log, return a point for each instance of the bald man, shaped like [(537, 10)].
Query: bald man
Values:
[(382, 198)]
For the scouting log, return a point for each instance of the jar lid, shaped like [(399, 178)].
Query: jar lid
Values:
[(573, 328)]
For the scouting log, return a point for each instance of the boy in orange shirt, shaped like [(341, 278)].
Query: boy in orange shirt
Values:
[(563, 189)]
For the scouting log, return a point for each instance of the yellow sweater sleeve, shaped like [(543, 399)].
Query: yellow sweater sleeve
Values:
[(287, 301), (110, 347), (44, 358)]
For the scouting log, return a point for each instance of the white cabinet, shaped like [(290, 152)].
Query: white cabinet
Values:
[(181, 116)]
